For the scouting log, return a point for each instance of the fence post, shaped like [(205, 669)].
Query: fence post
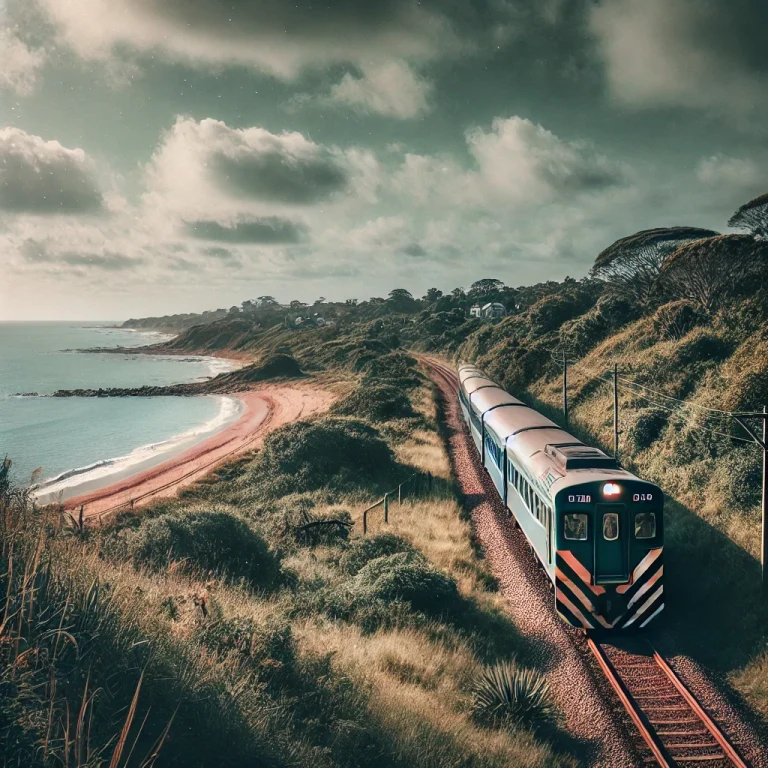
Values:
[(365, 522), (565, 387), (400, 495), (386, 507)]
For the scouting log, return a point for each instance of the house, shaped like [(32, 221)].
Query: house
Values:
[(476, 311), (492, 310)]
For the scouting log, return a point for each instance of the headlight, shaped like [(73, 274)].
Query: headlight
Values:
[(611, 489)]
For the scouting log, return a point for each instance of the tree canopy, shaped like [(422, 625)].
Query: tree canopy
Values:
[(752, 216), (707, 271), (632, 264)]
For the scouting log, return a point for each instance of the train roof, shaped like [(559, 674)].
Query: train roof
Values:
[(469, 373), (492, 397), (477, 382), (509, 421)]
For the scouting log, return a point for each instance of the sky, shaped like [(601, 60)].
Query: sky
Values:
[(163, 156)]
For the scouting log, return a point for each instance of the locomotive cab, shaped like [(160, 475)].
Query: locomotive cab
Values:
[(609, 539)]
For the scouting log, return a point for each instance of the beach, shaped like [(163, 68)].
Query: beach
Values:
[(264, 410)]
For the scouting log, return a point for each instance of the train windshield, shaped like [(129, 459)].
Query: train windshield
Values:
[(610, 526), (576, 527), (645, 525)]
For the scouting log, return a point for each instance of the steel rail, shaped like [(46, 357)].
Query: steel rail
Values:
[(633, 709), (646, 727), (699, 711)]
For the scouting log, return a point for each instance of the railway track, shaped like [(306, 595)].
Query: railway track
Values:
[(672, 727)]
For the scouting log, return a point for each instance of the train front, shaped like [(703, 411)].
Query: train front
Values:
[(609, 538)]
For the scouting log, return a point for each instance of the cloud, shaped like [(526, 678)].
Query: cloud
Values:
[(208, 171), (20, 64), (43, 177), (267, 230), (709, 55), (525, 160), (392, 89), (273, 36), (40, 252), (517, 162)]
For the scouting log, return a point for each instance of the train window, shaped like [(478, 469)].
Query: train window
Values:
[(576, 527), (610, 526), (645, 525)]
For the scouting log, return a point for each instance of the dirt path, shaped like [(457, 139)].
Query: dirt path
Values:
[(593, 714), (267, 408)]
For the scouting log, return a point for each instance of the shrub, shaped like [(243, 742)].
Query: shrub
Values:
[(406, 576), (646, 427), (332, 528), (214, 541), (701, 346), (362, 551), (743, 477), (339, 452), (282, 366), (676, 319), (266, 642), (398, 368), (610, 313), (376, 402), (504, 694)]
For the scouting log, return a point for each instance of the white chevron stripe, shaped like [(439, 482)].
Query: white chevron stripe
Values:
[(653, 615), (648, 585), (645, 605)]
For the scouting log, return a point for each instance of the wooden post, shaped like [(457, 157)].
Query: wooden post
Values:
[(764, 543), (565, 387), (386, 508), (616, 410), (400, 495)]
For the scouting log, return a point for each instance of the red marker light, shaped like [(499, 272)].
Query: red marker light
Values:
[(611, 489)]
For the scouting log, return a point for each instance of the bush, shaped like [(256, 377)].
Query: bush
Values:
[(646, 427), (335, 452), (271, 642), (504, 694), (362, 551), (743, 477), (376, 402), (676, 319), (397, 368), (214, 541), (406, 576), (611, 312), (275, 366)]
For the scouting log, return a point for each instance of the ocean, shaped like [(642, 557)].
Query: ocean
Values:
[(74, 443)]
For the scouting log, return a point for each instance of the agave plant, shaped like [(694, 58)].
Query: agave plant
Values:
[(505, 694)]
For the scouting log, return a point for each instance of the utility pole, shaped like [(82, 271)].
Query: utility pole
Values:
[(616, 411), (565, 386)]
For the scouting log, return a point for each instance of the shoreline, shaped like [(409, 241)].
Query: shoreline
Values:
[(182, 468)]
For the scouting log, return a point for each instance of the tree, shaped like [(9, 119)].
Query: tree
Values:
[(266, 302), (235, 310), (296, 304), (707, 271), (752, 216), (485, 289), (247, 305), (432, 295), (632, 264), (402, 300)]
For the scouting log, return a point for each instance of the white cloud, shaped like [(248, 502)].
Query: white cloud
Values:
[(273, 36), (20, 64), (735, 172), (524, 161), (681, 53), (517, 162), (43, 177), (391, 89), (208, 171)]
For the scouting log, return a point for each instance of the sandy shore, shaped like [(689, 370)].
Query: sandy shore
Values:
[(265, 409)]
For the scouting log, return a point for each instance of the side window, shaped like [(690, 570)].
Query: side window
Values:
[(645, 525), (575, 527)]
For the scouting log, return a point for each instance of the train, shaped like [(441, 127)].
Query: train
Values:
[(596, 528)]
